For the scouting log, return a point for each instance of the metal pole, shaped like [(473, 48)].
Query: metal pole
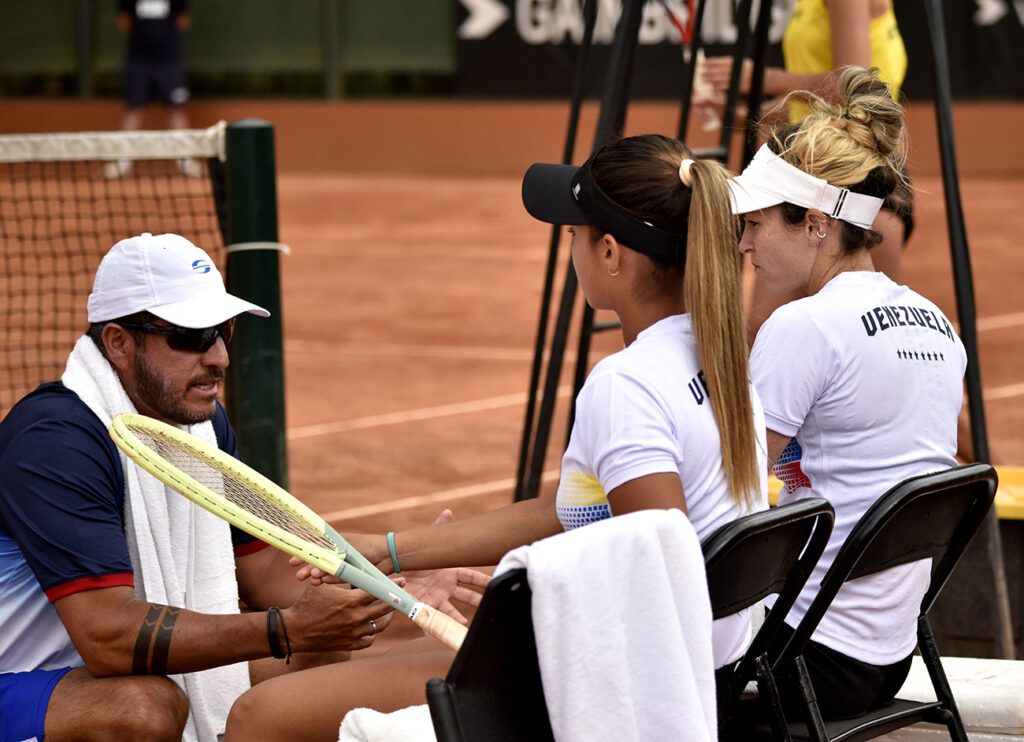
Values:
[(742, 19), (755, 96), (964, 284), (523, 488), (255, 383), (689, 69), (83, 48), (547, 407), (616, 90), (329, 45), (609, 123)]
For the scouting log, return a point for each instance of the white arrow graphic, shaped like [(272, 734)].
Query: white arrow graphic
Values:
[(484, 17), (989, 12)]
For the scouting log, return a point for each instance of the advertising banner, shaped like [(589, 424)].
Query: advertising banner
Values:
[(530, 48)]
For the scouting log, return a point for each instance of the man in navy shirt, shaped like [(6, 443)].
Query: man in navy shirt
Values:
[(82, 650), (154, 69)]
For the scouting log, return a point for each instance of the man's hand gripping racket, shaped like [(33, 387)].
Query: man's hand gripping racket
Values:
[(249, 501)]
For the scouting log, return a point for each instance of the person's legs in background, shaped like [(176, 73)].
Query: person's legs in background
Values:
[(143, 84), (174, 94), (136, 96)]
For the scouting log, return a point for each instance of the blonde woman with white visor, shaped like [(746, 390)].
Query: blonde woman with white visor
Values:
[(861, 381)]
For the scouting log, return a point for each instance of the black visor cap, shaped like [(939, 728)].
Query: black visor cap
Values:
[(568, 195), (547, 194)]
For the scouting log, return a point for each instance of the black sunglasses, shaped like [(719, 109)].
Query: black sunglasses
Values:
[(194, 340)]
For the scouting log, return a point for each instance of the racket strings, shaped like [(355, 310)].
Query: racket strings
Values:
[(231, 489)]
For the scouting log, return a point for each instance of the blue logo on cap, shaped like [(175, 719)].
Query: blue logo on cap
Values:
[(200, 266)]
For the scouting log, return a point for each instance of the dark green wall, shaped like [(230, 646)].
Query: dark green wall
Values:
[(40, 38), (37, 36)]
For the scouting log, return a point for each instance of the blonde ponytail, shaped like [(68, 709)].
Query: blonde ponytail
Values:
[(653, 177), (712, 292)]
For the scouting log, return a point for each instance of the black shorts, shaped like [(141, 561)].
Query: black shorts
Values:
[(154, 81), (845, 687)]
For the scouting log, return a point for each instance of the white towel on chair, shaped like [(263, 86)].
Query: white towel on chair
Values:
[(410, 724), (166, 533), (623, 625)]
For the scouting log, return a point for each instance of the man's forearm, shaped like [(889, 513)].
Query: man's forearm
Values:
[(163, 640), (172, 640), (118, 635)]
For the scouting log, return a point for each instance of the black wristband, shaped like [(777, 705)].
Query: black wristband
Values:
[(287, 643), (273, 617)]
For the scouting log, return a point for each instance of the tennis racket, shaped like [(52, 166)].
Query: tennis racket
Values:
[(246, 499)]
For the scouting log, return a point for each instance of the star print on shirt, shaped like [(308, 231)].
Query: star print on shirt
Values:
[(915, 355)]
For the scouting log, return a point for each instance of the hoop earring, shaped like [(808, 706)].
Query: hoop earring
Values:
[(819, 235), (617, 272)]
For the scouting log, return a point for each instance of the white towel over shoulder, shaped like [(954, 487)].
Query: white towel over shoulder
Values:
[(181, 555), (623, 624)]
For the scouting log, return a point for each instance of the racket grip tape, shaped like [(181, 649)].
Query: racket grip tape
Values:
[(444, 628)]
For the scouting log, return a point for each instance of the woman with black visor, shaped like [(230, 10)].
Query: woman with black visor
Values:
[(669, 421)]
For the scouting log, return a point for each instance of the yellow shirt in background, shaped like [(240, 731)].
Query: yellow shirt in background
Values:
[(807, 48)]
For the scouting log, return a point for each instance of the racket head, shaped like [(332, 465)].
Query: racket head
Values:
[(226, 487)]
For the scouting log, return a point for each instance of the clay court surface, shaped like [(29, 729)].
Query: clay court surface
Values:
[(412, 291), (411, 306)]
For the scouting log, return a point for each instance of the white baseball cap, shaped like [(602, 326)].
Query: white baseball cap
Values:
[(169, 277), (769, 180)]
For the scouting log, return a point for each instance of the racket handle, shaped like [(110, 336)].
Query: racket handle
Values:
[(444, 628)]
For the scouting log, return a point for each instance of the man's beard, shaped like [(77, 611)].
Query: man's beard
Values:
[(156, 393)]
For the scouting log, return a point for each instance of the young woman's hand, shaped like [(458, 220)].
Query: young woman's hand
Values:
[(438, 587)]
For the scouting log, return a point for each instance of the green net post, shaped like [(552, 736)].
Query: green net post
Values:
[(255, 383)]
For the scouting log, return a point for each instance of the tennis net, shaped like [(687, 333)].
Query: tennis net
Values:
[(64, 200)]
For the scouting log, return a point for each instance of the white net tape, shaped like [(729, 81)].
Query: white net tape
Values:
[(115, 145)]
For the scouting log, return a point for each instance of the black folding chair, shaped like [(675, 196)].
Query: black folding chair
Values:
[(493, 690), (768, 552), (931, 516)]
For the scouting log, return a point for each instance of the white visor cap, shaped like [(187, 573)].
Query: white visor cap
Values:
[(769, 180), (169, 277)]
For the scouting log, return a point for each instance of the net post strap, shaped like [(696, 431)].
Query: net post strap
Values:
[(116, 145), (249, 246)]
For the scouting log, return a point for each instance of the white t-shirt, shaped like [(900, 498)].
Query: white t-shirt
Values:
[(868, 378), (645, 410)]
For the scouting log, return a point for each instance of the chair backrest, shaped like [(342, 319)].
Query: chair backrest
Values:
[(773, 551), (929, 516), (493, 690)]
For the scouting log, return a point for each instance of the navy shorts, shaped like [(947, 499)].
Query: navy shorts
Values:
[(24, 697), (147, 81)]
